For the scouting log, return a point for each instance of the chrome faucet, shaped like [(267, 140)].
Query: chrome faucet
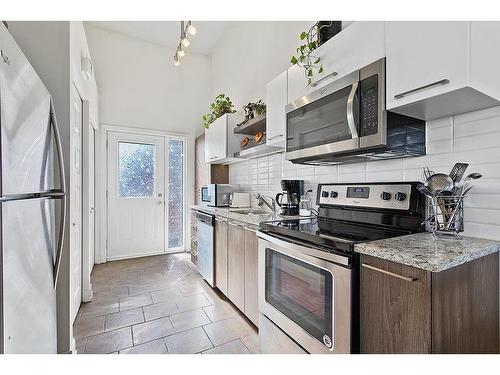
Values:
[(262, 200)]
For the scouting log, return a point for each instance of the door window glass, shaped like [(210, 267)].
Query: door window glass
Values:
[(136, 170), (175, 193)]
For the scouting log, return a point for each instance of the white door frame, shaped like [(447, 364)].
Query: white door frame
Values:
[(87, 291), (102, 182)]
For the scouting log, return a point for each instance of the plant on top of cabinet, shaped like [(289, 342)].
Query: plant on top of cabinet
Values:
[(221, 105), (253, 109), (319, 32)]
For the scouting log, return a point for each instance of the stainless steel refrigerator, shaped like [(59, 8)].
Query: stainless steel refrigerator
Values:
[(32, 202)]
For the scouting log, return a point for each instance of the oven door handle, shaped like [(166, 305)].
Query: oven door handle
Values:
[(351, 122), (309, 250)]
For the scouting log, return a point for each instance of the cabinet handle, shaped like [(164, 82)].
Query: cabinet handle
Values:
[(235, 225), (316, 83), (220, 220), (422, 88), (274, 136), (405, 278), (250, 229)]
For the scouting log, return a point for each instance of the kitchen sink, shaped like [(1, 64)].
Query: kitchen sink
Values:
[(251, 211)]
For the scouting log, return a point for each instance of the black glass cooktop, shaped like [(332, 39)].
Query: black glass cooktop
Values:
[(327, 232)]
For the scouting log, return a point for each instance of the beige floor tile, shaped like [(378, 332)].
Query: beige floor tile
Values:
[(227, 330), (220, 311), (232, 347), (189, 319), (109, 342), (124, 319), (160, 310), (152, 347), (128, 303), (154, 329), (99, 307), (188, 342), (135, 290), (192, 302), (252, 343), (165, 295), (88, 326)]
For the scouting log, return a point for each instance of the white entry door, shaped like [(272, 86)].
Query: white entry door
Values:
[(136, 189), (76, 203)]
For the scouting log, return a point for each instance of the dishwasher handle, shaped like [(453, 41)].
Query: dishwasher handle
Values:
[(205, 218)]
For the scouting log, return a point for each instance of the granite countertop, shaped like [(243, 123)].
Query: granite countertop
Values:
[(422, 250), (252, 220)]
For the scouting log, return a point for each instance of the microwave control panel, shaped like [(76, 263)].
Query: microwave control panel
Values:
[(396, 197), (369, 106)]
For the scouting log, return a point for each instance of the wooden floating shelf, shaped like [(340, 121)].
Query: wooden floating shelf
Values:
[(253, 126)]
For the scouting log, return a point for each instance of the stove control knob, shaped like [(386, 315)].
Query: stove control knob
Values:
[(325, 194), (400, 196), (385, 196), (334, 194)]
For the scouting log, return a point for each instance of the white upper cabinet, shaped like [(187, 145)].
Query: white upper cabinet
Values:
[(359, 44), (220, 141), (437, 69), (276, 100)]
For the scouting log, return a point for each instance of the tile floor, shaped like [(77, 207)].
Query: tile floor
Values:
[(156, 305)]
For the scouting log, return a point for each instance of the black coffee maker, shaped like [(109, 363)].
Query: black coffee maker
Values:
[(288, 200)]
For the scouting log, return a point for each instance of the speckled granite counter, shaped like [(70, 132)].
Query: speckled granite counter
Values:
[(252, 220), (422, 251)]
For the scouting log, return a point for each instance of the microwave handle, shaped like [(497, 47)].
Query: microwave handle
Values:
[(350, 111)]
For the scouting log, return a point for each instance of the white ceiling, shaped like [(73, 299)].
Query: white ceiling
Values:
[(166, 33)]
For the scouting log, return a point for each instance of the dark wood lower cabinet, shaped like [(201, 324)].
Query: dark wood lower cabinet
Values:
[(236, 265), (408, 310)]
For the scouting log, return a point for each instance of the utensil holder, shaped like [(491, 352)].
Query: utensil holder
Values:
[(445, 214)]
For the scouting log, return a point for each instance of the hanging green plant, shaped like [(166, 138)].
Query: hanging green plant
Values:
[(252, 110), (305, 58), (221, 105)]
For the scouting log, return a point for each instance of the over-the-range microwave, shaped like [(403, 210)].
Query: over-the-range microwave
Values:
[(347, 121)]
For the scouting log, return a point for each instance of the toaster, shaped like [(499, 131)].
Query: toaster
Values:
[(239, 199)]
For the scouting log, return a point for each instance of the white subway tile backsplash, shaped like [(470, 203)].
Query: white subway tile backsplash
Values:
[(472, 138)]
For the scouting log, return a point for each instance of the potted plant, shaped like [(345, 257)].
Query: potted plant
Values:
[(313, 38), (221, 105), (253, 109)]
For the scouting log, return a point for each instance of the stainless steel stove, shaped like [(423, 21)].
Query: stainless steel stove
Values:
[(308, 269)]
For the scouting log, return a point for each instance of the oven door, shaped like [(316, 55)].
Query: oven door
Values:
[(324, 122), (307, 293)]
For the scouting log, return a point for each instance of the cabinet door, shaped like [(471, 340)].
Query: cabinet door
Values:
[(425, 59), (356, 46), (221, 255), (395, 308), (218, 138), (251, 281), (209, 147), (236, 265), (276, 100)]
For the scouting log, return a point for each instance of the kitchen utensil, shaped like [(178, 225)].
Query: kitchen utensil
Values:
[(244, 141), (439, 182), (421, 188), (259, 137), (458, 171), (464, 190), (427, 173)]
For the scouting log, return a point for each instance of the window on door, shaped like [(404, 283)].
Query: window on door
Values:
[(175, 193), (136, 170)]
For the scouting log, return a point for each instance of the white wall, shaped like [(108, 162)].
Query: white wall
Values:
[(250, 55), (139, 86), (473, 138)]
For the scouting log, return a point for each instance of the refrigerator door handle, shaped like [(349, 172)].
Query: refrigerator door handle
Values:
[(60, 193)]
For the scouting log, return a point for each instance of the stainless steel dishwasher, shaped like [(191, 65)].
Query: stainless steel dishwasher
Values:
[(206, 236)]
